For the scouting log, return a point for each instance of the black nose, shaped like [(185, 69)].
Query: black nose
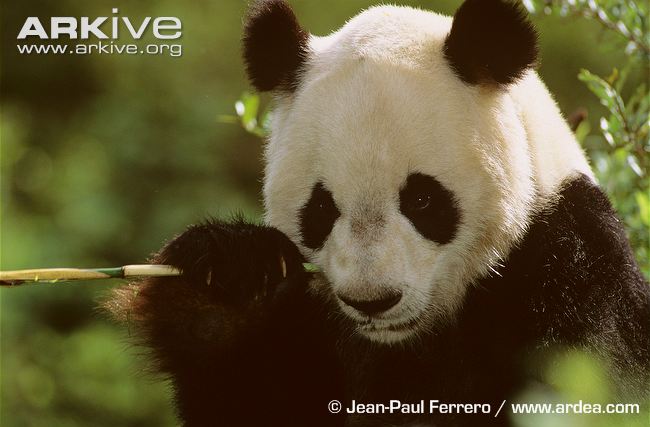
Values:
[(374, 306)]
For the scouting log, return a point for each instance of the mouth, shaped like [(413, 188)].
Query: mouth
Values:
[(382, 330)]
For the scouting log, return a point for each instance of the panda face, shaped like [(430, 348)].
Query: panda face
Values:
[(390, 192), (399, 163)]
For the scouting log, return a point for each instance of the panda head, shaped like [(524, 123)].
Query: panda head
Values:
[(397, 159)]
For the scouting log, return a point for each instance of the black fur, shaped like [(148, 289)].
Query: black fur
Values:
[(275, 46), (491, 41), (430, 207), (317, 217), (278, 359), (229, 332)]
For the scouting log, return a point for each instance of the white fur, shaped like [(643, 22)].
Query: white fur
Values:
[(377, 102)]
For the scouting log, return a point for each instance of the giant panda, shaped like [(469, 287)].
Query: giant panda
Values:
[(421, 164)]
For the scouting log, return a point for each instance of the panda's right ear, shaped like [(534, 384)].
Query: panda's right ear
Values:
[(275, 46)]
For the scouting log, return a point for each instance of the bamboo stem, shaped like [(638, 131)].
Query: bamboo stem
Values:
[(54, 275)]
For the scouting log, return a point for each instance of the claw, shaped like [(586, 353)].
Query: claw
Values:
[(284, 267), (208, 278)]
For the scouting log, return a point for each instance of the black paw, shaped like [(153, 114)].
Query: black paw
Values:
[(236, 263)]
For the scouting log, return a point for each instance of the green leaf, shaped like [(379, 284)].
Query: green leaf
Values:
[(250, 104), (634, 165), (598, 86), (248, 111), (534, 6)]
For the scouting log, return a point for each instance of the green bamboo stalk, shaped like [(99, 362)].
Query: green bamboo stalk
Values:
[(56, 275)]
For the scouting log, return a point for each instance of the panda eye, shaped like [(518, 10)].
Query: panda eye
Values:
[(431, 208), (421, 202), (317, 217)]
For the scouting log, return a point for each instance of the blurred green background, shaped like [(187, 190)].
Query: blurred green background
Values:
[(104, 157)]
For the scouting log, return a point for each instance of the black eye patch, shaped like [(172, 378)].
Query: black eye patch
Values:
[(431, 208), (317, 217)]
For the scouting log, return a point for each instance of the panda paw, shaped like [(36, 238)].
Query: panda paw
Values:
[(241, 287), (236, 263)]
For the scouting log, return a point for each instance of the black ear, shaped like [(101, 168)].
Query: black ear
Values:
[(491, 41), (275, 46)]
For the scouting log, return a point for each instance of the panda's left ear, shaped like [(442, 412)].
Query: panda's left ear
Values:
[(491, 41), (275, 46)]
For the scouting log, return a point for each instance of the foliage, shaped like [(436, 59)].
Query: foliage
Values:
[(620, 151), (250, 115)]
